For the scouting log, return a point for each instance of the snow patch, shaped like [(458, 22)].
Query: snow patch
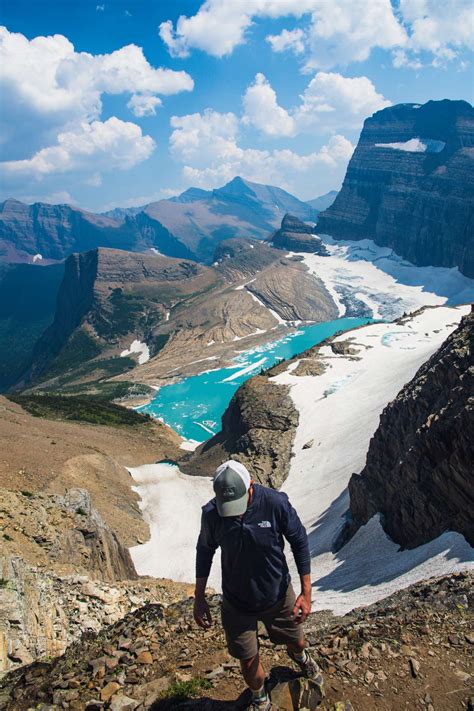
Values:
[(415, 145), (140, 348)]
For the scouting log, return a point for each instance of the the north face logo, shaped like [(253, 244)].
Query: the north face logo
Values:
[(264, 524)]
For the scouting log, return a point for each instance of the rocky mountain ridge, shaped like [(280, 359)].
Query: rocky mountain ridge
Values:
[(418, 473), (409, 185), (188, 226)]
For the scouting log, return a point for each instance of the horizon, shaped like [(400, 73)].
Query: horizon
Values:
[(119, 105)]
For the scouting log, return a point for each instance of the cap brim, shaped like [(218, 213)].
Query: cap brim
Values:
[(233, 508)]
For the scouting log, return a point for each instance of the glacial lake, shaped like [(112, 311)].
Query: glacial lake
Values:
[(194, 406)]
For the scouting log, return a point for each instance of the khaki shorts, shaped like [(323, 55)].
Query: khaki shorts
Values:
[(241, 628)]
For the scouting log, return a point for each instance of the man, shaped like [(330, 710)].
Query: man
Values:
[(249, 522)]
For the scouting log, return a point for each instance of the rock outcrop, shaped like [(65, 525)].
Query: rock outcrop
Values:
[(63, 531), (419, 467), (409, 185), (258, 428), (296, 236), (42, 612)]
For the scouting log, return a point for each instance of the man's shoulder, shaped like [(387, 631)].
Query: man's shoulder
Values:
[(273, 497), (209, 510)]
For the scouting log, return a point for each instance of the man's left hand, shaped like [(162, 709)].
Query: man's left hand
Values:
[(302, 608)]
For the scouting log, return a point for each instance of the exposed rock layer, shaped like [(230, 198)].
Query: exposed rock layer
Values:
[(258, 428), (419, 471), (419, 202)]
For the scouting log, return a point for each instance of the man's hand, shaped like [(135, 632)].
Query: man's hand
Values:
[(202, 613), (302, 607)]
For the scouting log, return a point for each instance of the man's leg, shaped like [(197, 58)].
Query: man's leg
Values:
[(253, 673), (282, 628), (241, 635)]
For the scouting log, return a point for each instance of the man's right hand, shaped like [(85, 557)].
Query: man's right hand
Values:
[(202, 613)]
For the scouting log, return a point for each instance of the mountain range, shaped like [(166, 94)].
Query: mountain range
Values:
[(188, 226)]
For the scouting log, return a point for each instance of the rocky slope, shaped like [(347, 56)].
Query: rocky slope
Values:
[(51, 456), (258, 428), (411, 650), (296, 236), (409, 185), (418, 473), (67, 514)]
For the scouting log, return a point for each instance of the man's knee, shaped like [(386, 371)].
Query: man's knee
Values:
[(250, 664)]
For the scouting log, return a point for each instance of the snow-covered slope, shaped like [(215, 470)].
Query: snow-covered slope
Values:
[(365, 279), (339, 411)]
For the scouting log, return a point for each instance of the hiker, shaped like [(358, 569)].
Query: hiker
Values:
[(249, 521)]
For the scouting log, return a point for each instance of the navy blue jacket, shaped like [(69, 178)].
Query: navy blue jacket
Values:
[(254, 569)]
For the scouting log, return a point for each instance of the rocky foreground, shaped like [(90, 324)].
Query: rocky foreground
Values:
[(412, 650)]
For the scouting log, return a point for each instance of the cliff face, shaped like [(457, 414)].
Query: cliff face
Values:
[(258, 428), (409, 185), (296, 236), (418, 473)]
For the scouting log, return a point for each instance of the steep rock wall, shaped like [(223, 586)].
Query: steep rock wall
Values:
[(419, 469), (409, 185)]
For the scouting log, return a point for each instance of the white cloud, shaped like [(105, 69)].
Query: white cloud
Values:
[(144, 104), (293, 40), (435, 25), (208, 147), (262, 110), (346, 31), (330, 102), (339, 31), (109, 145), (333, 101), (331, 32), (47, 87)]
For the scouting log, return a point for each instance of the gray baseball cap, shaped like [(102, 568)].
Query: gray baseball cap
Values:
[(231, 485)]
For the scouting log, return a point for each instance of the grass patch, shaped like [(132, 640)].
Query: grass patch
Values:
[(80, 408), (180, 691)]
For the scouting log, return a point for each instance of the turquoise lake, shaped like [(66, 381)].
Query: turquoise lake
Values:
[(194, 406)]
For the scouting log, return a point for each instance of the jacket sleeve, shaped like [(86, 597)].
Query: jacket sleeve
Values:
[(205, 549), (295, 534)]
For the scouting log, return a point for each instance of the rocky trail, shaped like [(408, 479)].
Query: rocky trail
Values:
[(412, 650)]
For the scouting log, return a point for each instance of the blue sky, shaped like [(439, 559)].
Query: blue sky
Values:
[(273, 90)]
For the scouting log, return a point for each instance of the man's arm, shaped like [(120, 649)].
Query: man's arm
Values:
[(205, 550), (296, 535), (202, 613)]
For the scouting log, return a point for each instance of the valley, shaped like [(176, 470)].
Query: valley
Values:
[(326, 345)]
